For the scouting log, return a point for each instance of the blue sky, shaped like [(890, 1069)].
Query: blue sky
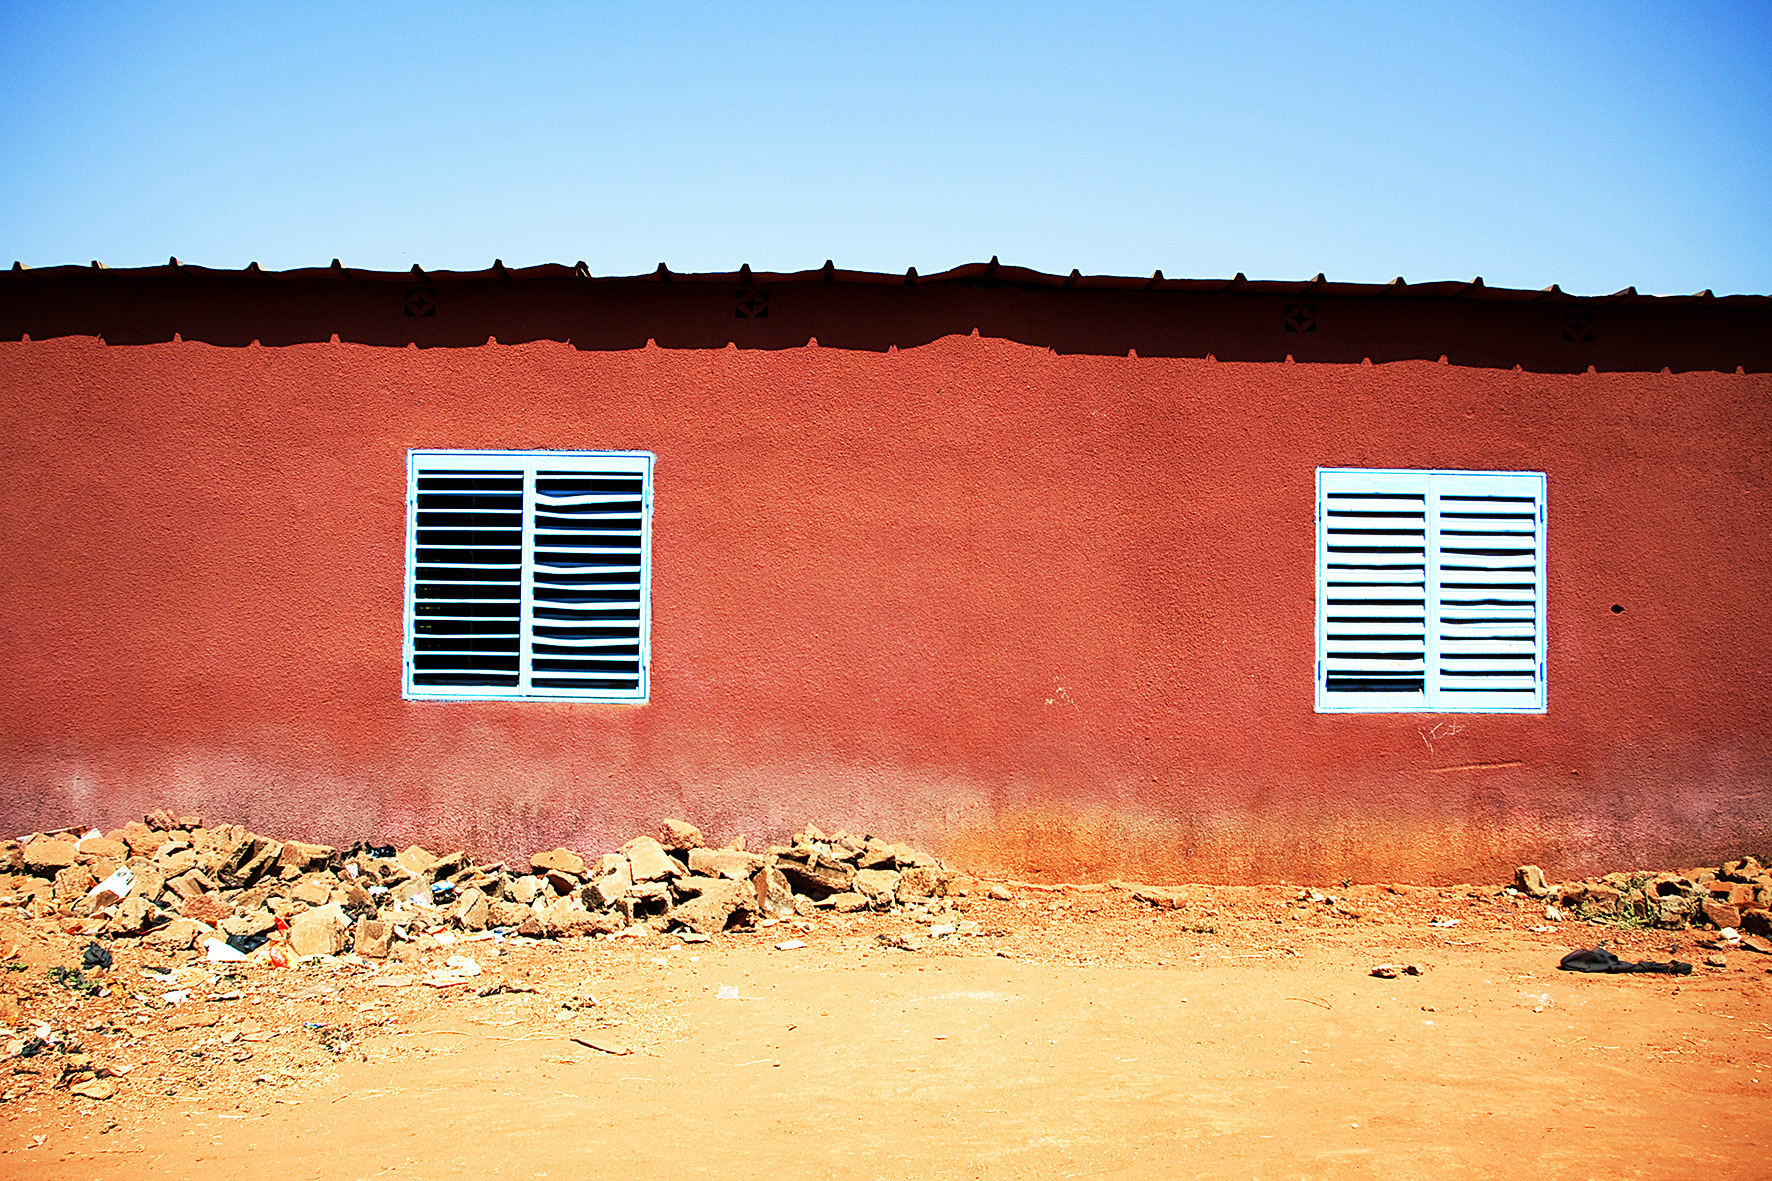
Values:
[(1591, 145)]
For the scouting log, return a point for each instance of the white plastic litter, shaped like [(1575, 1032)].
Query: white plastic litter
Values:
[(218, 952), (463, 965), (790, 945), (1730, 935), (119, 883)]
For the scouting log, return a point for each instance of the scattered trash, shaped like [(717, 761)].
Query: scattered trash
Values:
[(118, 885), (1442, 922), (95, 957), (1598, 959), (1729, 935), (790, 945), (1392, 971), (219, 952), (603, 1047)]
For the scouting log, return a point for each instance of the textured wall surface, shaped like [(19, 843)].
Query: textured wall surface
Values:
[(1051, 615)]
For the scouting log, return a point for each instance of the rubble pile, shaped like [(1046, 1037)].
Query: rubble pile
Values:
[(1735, 896), (176, 884)]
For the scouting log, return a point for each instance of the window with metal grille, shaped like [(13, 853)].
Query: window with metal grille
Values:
[(1430, 591), (527, 575)]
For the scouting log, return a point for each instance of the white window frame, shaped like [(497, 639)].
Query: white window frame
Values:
[(1484, 577), (610, 584)]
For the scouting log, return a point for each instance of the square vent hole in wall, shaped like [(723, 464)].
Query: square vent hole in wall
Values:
[(528, 575), (1430, 591)]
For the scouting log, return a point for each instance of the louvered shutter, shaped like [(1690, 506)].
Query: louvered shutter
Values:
[(528, 575), (1430, 591)]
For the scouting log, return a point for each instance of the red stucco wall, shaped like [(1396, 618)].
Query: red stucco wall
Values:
[(1051, 615)]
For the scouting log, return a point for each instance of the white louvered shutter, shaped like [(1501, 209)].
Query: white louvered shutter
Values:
[(528, 575), (1430, 591)]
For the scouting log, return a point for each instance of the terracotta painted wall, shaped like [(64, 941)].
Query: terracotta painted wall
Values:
[(1051, 615)]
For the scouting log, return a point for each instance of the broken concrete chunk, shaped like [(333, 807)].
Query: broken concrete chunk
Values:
[(815, 875), (192, 884), (178, 935), (1720, 914), (506, 913), (1530, 879), (567, 916), (205, 908), (45, 857), (563, 861), (415, 889), (474, 910), (312, 891), (255, 867), (848, 903), (722, 903), (647, 860), (725, 863), (73, 882), (775, 898), (140, 839), (875, 855), (878, 886), (321, 931), (679, 836), (611, 886), (303, 857), (134, 915), (523, 890), (372, 938), (247, 923), (101, 847), (415, 859), (175, 861), (919, 882), (150, 883)]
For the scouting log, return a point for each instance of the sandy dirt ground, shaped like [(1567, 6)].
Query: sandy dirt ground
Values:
[(1066, 1032)]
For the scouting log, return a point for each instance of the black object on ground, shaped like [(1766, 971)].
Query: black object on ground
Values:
[(1598, 959), (95, 957)]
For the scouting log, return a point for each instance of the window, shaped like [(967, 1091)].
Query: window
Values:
[(527, 575), (1430, 591)]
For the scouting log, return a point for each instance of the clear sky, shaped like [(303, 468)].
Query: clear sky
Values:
[(1594, 145)]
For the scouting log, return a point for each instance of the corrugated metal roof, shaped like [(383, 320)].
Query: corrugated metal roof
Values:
[(992, 273)]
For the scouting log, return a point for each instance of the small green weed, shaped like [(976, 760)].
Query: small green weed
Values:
[(1629, 920), (73, 979)]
